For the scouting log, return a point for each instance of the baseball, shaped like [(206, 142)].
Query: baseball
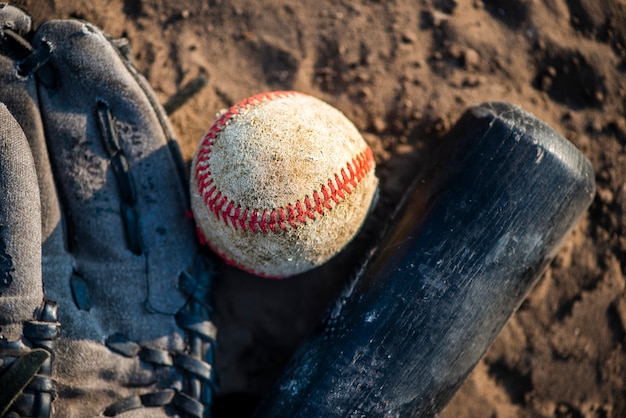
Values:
[(281, 183)]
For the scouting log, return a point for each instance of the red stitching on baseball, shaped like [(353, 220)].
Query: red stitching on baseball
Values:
[(262, 224), (266, 220)]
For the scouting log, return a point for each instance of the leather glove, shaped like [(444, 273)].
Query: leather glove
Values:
[(104, 294)]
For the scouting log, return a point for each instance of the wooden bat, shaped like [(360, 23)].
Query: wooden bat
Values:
[(470, 239)]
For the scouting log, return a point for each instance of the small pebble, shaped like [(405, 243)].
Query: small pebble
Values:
[(471, 59)]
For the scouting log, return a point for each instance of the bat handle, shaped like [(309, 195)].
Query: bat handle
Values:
[(469, 241)]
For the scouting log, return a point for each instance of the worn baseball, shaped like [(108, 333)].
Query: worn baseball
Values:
[(281, 183)]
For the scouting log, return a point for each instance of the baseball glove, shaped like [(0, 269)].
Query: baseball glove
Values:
[(103, 289)]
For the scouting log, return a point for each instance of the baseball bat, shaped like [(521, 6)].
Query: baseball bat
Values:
[(470, 239)]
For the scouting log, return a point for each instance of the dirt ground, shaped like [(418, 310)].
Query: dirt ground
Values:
[(404, 71)]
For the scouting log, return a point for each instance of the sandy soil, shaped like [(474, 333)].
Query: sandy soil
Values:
[(404, 71)]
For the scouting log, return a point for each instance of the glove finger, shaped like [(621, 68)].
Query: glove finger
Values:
[(18, 93), (121, 188), (21, 291)]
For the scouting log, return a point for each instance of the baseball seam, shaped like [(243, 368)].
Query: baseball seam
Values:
[(265, 220)]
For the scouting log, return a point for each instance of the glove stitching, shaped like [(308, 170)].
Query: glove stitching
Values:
[(35, 400), (123, 176), (13, 45), (29, 60), (196, 366)]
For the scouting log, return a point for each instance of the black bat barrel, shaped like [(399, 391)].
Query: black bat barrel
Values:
[(468, 243)]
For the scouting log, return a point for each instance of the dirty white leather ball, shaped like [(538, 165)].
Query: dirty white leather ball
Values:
[(280, 183)]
